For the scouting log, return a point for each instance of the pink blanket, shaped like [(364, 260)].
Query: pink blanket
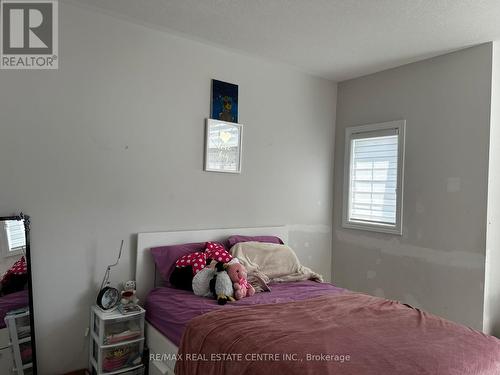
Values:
[(351, 333)]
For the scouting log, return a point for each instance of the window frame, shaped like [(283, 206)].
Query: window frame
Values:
[(397, 228)]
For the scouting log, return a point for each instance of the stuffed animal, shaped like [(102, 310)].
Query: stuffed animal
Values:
[(128, 293), (221, 285), (238, 276), (201, 281), (189, 265)]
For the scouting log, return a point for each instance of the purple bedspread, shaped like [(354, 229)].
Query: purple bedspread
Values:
[(348, 333), (11, 302), (169, 309)]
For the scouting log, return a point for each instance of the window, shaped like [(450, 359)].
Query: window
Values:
[(12, 237), (373, 179)]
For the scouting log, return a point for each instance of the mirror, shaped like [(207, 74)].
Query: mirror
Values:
[(17, 333)]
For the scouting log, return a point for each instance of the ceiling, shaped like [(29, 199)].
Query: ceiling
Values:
[(335, 39)]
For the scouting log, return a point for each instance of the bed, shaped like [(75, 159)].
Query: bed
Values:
[(12, 301), (160, 346), (301, 327)]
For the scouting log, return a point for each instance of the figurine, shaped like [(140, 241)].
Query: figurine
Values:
[(128, 293)]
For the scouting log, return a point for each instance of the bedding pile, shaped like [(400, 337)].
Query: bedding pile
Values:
[(265, 258), (271, 263)]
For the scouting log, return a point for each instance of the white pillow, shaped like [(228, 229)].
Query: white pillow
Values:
[(272, 262)]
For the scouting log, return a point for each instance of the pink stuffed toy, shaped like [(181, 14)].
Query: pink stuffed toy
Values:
[(238, 275)]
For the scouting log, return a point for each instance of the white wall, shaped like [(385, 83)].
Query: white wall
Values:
[(491, 322), (438, 263), (111, 144)]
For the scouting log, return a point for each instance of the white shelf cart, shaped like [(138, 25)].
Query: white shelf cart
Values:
[(116, 342), (19, 326)]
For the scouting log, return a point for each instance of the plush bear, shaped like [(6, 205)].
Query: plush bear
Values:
[(238, 275), (128, 293), (221, 285)]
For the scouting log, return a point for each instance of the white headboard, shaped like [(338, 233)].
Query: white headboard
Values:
[(145, 269)]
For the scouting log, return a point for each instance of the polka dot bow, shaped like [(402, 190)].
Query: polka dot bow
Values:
[(217, 252), (198, 260), (20, 267)]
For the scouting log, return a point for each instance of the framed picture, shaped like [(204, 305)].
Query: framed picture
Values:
[(223, 146), (224, 101)]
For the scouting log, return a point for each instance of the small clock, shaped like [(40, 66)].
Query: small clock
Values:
[(108, 297)]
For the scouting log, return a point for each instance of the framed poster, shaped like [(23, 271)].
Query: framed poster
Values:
[(223, 146), (224, 101)]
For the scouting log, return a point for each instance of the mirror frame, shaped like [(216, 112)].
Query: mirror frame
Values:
[(27, 227)]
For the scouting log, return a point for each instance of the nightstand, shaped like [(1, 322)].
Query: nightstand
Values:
[(18, 324), (116, 342)]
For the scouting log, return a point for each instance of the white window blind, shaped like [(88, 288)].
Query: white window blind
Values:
[(374, 179), (374, 157), (15, 234)]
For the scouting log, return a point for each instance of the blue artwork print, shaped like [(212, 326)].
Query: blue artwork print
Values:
[(224, 101)]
